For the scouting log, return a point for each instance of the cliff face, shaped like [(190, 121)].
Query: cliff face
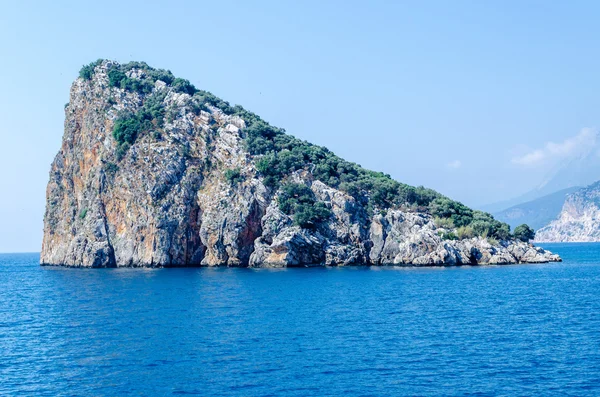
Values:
[(184, 190), (579, 219)]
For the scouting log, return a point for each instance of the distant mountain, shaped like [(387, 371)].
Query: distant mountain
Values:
[(500, 206), (536, 213), (581, 170), (579, 219)]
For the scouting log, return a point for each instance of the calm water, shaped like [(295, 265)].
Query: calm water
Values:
[(511, 330)]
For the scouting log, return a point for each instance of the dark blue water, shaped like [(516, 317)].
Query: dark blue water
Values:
[(506, 330)]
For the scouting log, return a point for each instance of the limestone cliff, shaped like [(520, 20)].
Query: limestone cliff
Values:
[(153, 172), (579, 219)]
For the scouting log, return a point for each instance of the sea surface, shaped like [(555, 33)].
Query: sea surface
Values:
[(471, 331)]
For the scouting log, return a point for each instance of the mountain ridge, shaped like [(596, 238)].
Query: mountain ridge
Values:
[(536, 213), (579, 169)]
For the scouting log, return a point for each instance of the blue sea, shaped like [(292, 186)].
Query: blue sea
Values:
[(469, 331)]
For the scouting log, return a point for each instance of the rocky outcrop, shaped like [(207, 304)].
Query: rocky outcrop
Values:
[(579, 219), (166, 201), (398, 238)]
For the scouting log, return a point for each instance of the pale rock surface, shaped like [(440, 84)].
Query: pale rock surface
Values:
[(579, 219)]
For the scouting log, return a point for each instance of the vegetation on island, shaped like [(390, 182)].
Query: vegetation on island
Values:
[(524, 233), (234, 176), (129, 125), (278, 154), (87, 71), (299, 201)]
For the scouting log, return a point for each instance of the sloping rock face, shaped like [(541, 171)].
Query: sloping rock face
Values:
[(579, 219), (167, 200)]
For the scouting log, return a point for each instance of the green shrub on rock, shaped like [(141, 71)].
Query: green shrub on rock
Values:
[(128, 126), (122, 150), (184, 86), (445, 223), (126, 129), (117, 78), (308, 216), (449, 236), (87, 71), (111, 168), (485, 225), (299, 201), (443, 207), (524, 233), (465, 232), (234, 176), (163, 75)]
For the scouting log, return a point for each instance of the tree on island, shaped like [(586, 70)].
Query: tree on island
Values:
[(524, 233)]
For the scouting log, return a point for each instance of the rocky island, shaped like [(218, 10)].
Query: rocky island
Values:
[(154, 172)]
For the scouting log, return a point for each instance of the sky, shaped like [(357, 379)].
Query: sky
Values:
[(476, 99)]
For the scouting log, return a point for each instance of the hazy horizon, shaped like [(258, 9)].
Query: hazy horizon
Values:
[(480, 101)]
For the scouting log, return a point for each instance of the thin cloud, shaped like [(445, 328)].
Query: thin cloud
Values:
[(570, 147), (454, 164)]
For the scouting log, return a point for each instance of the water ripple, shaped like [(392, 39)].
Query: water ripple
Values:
[(514, 330)]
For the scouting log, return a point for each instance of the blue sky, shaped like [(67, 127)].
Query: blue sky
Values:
[(475, 99)]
